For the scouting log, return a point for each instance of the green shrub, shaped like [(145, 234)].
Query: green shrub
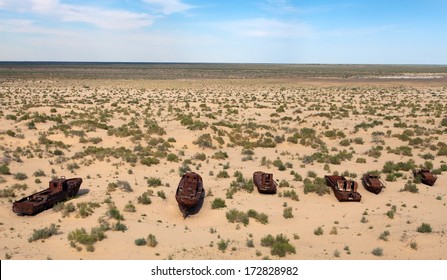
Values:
[(140, 242), (424, 228), (384, 235), (204, 141), (20, 176), (235, 216), (172, 157), (152, 240), (144, 198), (318, 231), (287, 213), (223, 174), (4, 170), (44, 233), (218, 203), (39, 173), (279, 245), (153, 182), (222, 245), (378, 252), (129, 207), (410, 187)]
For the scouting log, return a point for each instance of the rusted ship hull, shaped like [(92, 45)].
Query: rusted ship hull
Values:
[(264, 182), (426, 176), (59, 190), (373, 183), (344, 190), (190, 193)]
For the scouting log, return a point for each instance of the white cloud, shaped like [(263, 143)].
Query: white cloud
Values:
[(100, 17), (168, 7)]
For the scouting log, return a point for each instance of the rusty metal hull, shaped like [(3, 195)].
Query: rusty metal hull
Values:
[(59, 190), (190, 192), (344, 189), (264, 182), (373, 183), (426, 176)]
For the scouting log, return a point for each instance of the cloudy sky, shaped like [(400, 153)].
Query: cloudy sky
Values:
[(260, 31)]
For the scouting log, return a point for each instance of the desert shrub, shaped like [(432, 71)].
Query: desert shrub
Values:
[(152, 240), (410, 187), (149, 161), (144, 198), (82, 237), (333, 231), (360, 160), (318, 231), (384, 235), (220, 155), (68, 209), (86, 208), (261, 217), (204, 141), (345, 142), (7, 192), (222, 245), (161, 194), (172, 157), (218, 203), (39, 173), (119, 227), (114, 213), (153, 182), (378, 252), (4, 170), (292, 194), (390, 214), (129, 207), (424, 228), (279, 245), (140, 242), (318, 186), (200, 156), (223, 174), (235, 216), (44, 233), (20, 176), (287, 213)]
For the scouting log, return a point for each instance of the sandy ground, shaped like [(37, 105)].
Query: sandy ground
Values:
[(197, 237)]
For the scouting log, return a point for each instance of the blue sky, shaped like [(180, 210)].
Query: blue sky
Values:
[(259, 31)]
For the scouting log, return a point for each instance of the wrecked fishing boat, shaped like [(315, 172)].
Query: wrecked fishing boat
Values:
[(264, 182), (190, 193), (426, 176), (373, 183), (344, 189), (59, 190)]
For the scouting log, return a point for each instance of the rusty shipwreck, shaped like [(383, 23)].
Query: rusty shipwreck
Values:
[(59, 190), (264, 182), (426, 176), (190, 193), (373, 183), (344, 189)]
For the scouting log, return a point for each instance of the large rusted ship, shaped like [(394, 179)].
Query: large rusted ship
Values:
[(344, 189), (58, 190), (264, 182), (190, 193), (373, 183), (426, 176)]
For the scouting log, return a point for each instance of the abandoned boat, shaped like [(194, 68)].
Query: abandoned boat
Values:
[(190, 192), (344, 189), (264, 182), (373, 183), (59, 190), (426, 176)]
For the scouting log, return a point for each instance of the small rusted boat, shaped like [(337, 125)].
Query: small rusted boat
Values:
[(264, 182), (344, 189), (373, 183), (426, 176), (59, 190), (190, 193)]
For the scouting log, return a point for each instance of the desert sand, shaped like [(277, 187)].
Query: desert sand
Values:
[(102, 129)]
